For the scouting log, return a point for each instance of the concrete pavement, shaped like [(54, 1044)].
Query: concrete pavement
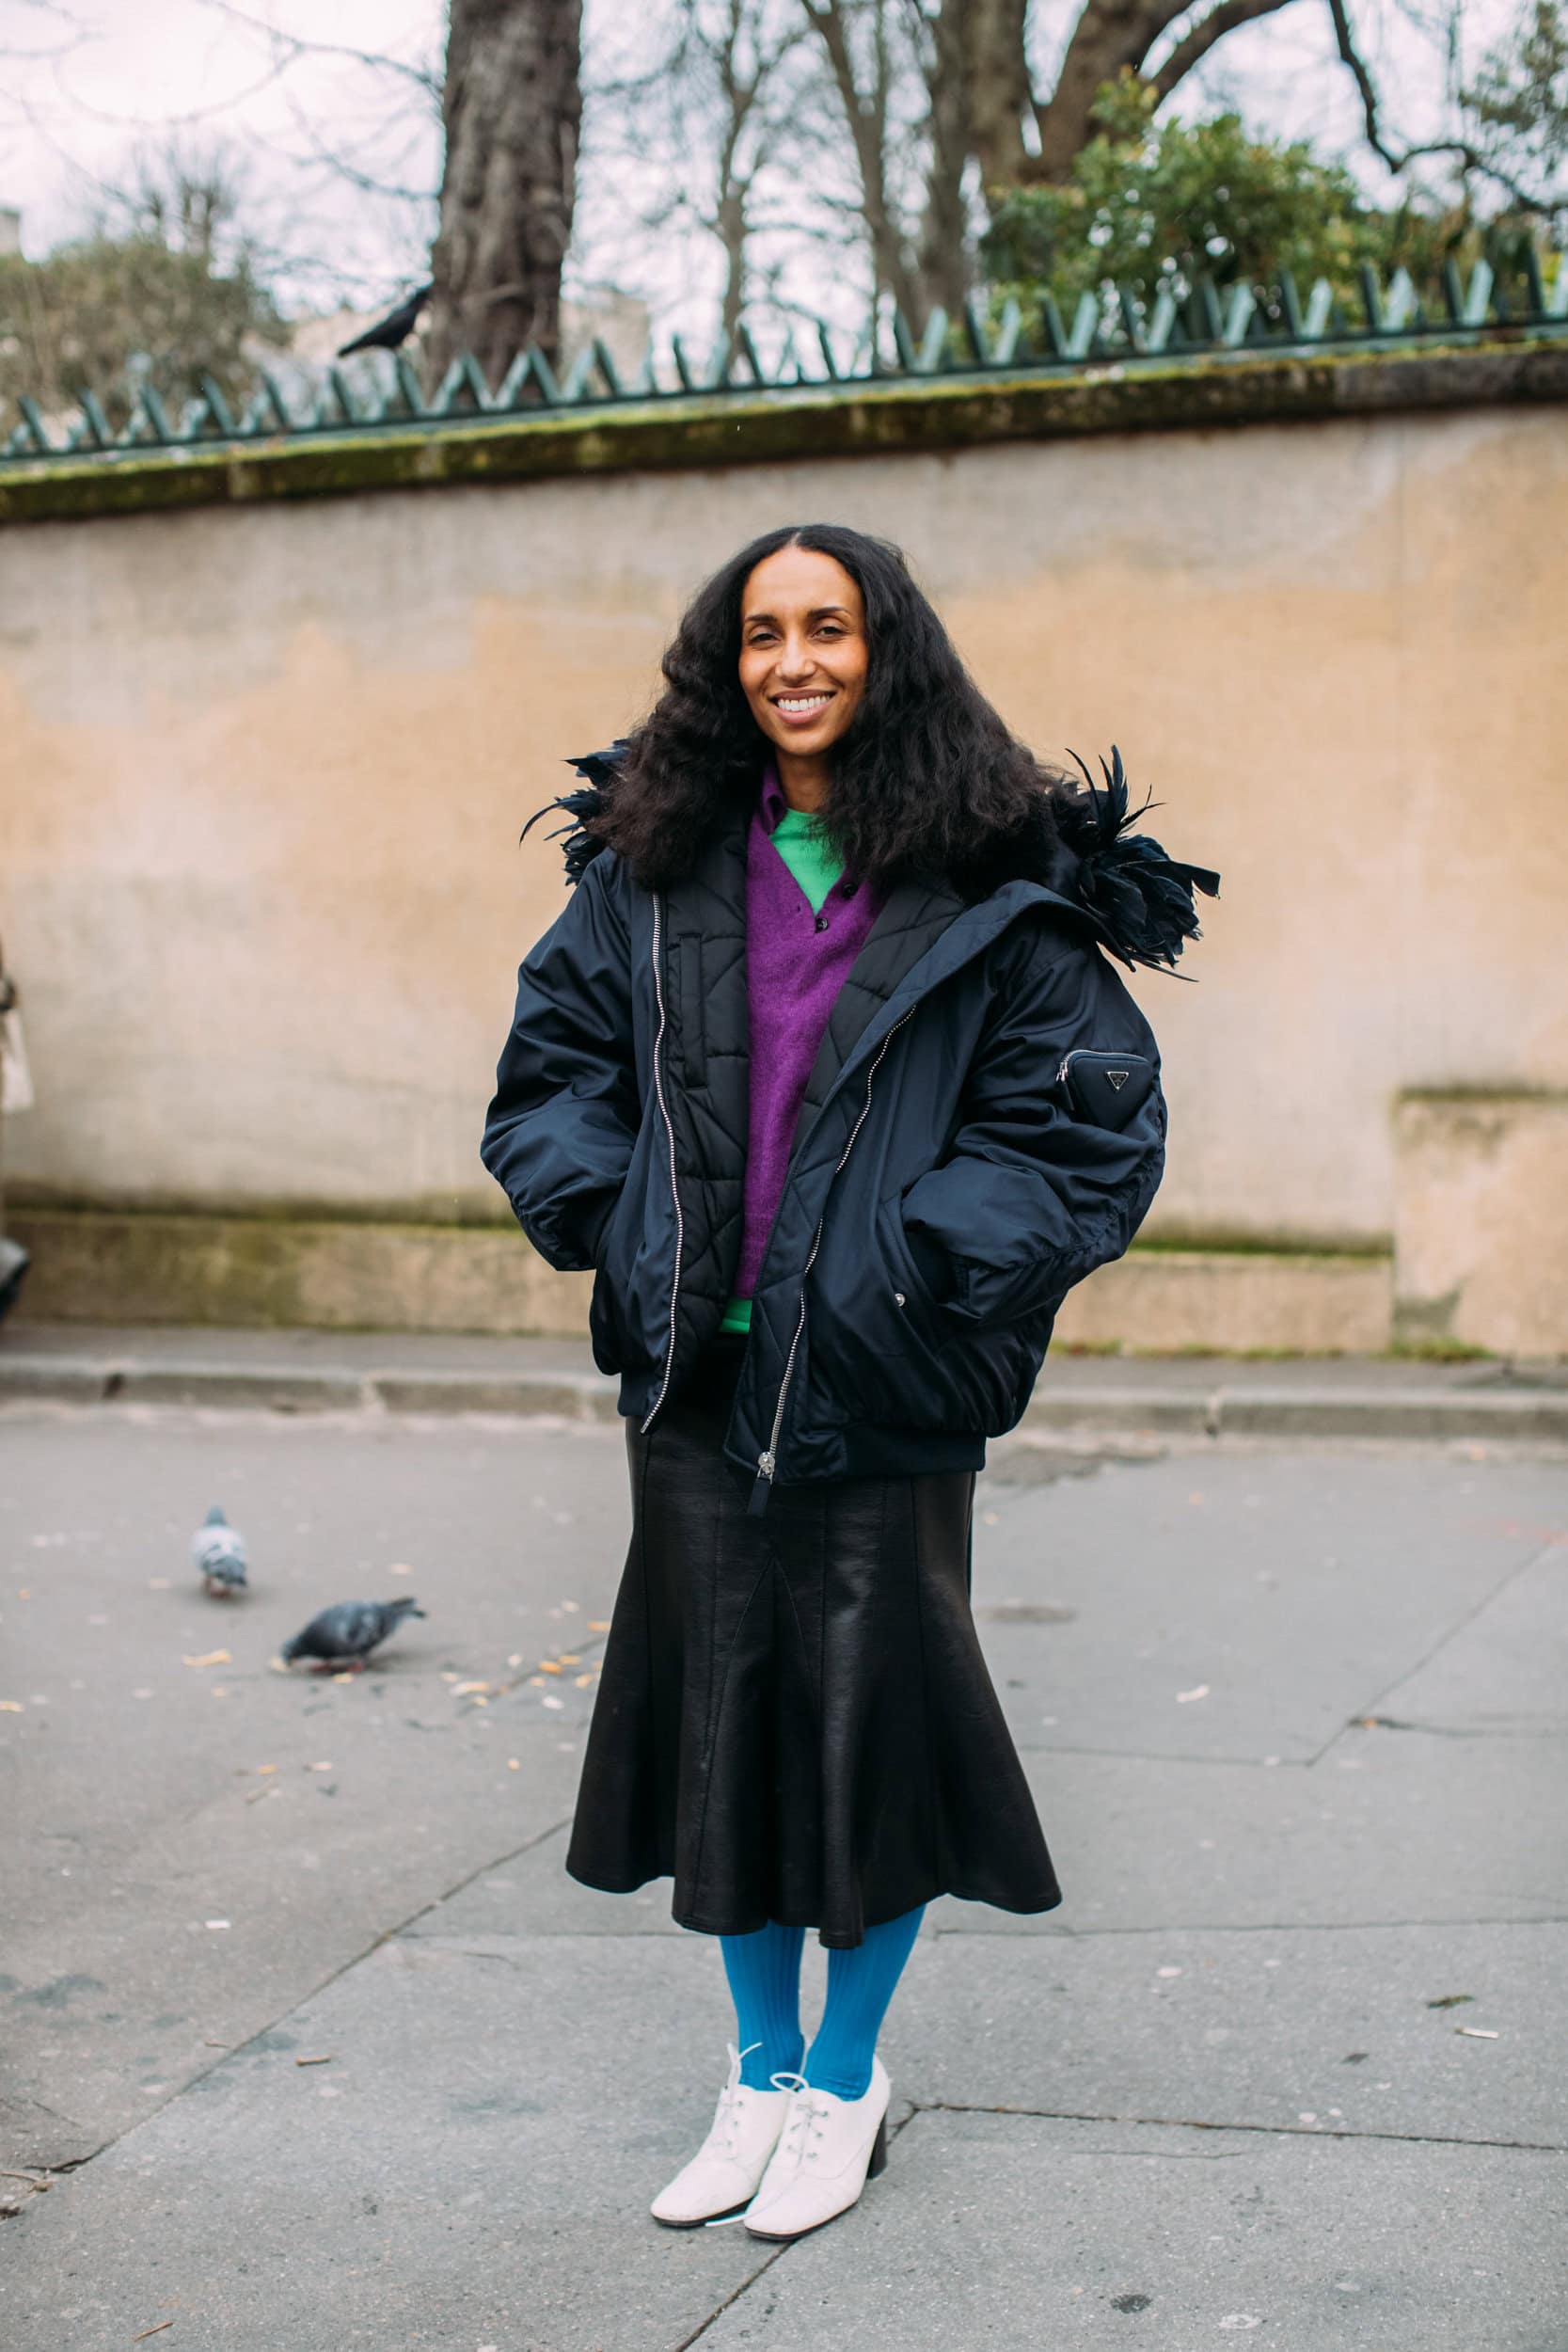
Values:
[(1492, 1399), (315, 2045)]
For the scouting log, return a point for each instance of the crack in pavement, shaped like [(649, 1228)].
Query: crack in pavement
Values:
[(382, 1935), (1460, 1625), (1446, 1731), (1266, 1927), (731, 2299), (1265, 2131)]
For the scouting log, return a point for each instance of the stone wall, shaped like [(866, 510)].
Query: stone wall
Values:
[(265, 764)]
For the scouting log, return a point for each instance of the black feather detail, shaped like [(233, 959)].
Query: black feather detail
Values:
[(1141, 898), (590, 801)]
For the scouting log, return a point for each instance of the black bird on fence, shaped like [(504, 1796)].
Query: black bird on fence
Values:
[(394, 328)]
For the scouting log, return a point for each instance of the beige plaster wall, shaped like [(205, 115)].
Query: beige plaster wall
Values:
[(264, 770)]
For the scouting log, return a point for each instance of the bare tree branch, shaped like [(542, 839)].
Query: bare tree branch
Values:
[(425, 78), (1465, 154), (1196, 44)]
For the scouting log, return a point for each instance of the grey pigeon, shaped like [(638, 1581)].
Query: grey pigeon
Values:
[(218, 1550), (345, 1636)]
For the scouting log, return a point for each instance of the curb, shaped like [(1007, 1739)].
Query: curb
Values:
[(1255, 1411)]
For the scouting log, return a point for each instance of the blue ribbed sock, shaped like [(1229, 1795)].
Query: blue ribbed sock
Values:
[(764, 1970), (860, 1986)]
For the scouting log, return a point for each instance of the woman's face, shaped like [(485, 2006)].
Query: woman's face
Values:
[(802, 649)]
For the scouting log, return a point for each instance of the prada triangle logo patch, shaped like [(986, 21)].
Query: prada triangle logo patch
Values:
[(1117, 1078)]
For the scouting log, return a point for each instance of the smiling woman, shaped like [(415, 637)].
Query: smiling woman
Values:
[(803, 662), (792, 1074)]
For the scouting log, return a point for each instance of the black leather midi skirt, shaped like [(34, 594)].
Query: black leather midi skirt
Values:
[(794, 1721)]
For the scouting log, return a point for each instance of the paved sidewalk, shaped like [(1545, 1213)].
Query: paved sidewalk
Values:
[(311, 2046), (1371, 1397)]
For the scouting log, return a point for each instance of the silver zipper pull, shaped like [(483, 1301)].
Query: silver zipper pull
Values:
[(762, 1488)]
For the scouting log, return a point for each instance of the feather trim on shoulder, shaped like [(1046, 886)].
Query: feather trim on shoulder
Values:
[(589, 802), (1142, 900)]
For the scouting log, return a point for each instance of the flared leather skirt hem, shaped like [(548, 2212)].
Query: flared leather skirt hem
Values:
[(794, 1721), (910, 1899)]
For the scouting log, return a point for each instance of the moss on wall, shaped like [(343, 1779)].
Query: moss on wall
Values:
[(819, 421)]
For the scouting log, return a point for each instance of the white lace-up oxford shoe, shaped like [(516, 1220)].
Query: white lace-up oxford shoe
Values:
[(722, 2176), (828, 2149)]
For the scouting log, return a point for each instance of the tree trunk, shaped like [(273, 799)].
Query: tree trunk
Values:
[(866, 114), (996, 65), (944, 225), (1108, 35), (511, 109)]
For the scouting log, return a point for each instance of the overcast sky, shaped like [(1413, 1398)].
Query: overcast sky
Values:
[(79, 87)]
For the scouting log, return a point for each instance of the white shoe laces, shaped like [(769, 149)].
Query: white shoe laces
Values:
[(726, 2120), (806, 2122)]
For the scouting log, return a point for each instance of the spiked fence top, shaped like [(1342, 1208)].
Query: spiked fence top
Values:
[(1124, 333)]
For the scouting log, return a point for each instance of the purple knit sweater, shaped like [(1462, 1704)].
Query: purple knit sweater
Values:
[(796, 964)]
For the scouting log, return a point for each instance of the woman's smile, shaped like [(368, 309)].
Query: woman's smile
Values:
[(799, 710)]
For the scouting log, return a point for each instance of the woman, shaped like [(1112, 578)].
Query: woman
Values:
[(823, 1070)]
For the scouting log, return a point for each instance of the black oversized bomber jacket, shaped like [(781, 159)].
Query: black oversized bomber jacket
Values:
[(946, 1187)]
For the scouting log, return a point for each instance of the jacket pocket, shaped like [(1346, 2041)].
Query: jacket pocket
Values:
[(883, 1349), (919, 1312)]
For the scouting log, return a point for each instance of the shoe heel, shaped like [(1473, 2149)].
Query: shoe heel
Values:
[(878, 2152)]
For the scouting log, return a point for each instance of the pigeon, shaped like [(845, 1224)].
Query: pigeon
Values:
[(218, 1550), (394, 328), (345, 1636)]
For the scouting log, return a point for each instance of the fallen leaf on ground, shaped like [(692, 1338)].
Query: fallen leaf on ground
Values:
[(265, 1769), (209, 1658), (1199, 1691), (157, 1584), (582, 1681), (153, 2331), (318, 1767), (1479, 2033), (13, 1706), (550, 1700), (463, 1688), (399, 1568), (1451, 2000), (549, 1666), (278, 1665), (208, 2044), (220, 1923), (513, 1764), (599, 1625), (314, 2062), (516, 1660), (569, 1659)]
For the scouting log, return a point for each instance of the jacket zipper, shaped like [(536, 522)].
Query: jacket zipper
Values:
[(675, 1187), (768, 1460)]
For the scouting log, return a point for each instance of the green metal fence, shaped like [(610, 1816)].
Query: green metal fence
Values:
[(1202, 325)]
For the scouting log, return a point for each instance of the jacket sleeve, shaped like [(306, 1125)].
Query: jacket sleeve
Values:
[(1030, 1198), (560, 1132)]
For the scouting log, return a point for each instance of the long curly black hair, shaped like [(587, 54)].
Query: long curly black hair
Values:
[(926, 778)]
